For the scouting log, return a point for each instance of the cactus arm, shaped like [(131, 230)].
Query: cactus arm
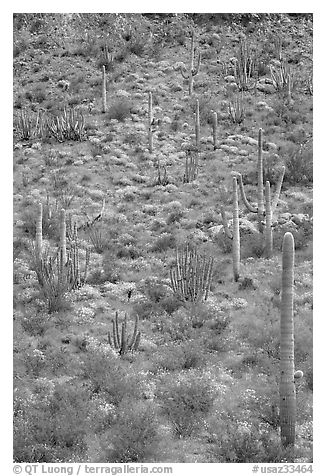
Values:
[(287, 386), (184, 73), (236, 231), (278, 189), (103, 90), (269, 218), (243, 196)]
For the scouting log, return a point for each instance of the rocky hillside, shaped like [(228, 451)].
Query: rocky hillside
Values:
[(139, 333)]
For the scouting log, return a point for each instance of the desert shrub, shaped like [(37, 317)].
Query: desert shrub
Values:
[(163, 243), (159, 300), (186, 399), (153, 289), (111, 268), (182, 356), (299, 164), (146, 309), (175, 327), (137, 46), (39, 94), (108, 376), (245, 443), (134, 437), (35, 324), (51, 426), (119, 110), (128, 251), (174, 216)]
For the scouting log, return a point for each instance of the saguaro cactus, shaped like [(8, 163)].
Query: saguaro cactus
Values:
[(197, 124), (103, 89), (236, 231), (38, 237), (214, 129), (287, 386), (150, 121), (260, 208), (235, 235), (121, 342), (269, 219), (192, 70)]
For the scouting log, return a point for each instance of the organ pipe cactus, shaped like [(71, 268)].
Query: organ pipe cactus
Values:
[(260, 208), (60, 273), (235, 235), (63, 240), (150, 121), (287, 386), (191, 276), (191, 167), (103, 89), (121, 342), (192, 70)]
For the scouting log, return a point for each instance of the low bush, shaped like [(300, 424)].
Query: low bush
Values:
[(109, 376), (119, 110), (186, 399), (51, 426), (299, 164), (135, 435)]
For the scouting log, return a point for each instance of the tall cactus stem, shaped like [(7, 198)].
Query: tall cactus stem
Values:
[(103, 89), (287, 386), (192, 70), (197, 124), (215, 130), (150, 120), (260, 180), (63, 241), (191, 63), (278, 189), (38, 237), (269, 219), (236, 231)]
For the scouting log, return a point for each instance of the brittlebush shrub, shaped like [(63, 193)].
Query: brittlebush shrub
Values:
[(135, 436), (51, 425), (186, 399)]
